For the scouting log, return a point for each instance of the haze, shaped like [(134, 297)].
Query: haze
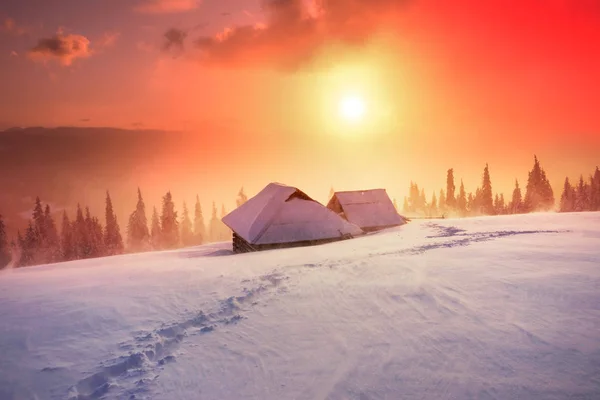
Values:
[(225, 94)]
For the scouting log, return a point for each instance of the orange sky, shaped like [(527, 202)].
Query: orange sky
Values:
[(446, 84)]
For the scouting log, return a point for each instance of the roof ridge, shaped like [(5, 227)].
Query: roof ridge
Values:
[(356, 191)]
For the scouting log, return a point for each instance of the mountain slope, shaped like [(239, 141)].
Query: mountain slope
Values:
[(503, 308)]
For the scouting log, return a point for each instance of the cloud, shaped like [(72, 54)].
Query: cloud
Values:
[(166, 6), (175, 37), (296, 29), (10, 26), (63, 48), (109, 39)]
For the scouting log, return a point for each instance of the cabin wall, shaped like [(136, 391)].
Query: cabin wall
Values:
[(242, 246)]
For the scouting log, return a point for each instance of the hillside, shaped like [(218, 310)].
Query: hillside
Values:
[(481, 308)]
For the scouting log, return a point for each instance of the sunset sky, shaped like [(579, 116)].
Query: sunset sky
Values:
[(258, 84)]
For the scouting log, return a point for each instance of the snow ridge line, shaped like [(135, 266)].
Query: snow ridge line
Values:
[(461, 238), (464, 239), (444, 231), (467, 239), (152, 350), (451, 231)]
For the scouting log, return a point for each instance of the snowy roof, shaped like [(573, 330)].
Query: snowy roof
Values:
[(368, 209), (284, 214)]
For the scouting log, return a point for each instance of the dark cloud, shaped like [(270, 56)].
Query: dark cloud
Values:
[(175, 37), (64, 48), (296, 29)]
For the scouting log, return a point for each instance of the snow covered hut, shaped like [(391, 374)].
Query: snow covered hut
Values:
[(283, 216), (370, 210)]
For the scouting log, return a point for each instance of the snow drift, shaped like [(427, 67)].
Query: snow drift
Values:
[(481, 308)]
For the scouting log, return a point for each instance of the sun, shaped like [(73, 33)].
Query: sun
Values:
[(352, 108)]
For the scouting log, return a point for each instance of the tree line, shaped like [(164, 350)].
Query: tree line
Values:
[(86, 237), (585, 196), (539, 196)]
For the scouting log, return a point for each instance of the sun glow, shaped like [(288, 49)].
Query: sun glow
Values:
[(352, 108)]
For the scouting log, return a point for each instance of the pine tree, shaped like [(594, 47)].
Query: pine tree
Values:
[(582, 202), (97, 233), (595, 188), (538, 195), (405, 206), (597, 180), (499, 207), (138, 236), (187, 236), (169, 224), (224, 231), (470, 205), (423, 202), (417, 202), (433, 209), (502, 205), (155, 230), (112, 233), (395, 205), (32, 250), (461, 201), (4, 250), (199, 228), (331, 193), (95, 236), (67, 245), (52, 244), (487, 200), (132, 244), (516, 204), (442, 202), (214, 224), (29, 246), (450, 188), (93, 245), (547, 192), (477, 207), (414, 198), (39, 224), (242, 198), (532, 196), (20, 248), (567, 199), (81, 242)]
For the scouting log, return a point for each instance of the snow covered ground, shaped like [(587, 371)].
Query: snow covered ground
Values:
[(481, 308)]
